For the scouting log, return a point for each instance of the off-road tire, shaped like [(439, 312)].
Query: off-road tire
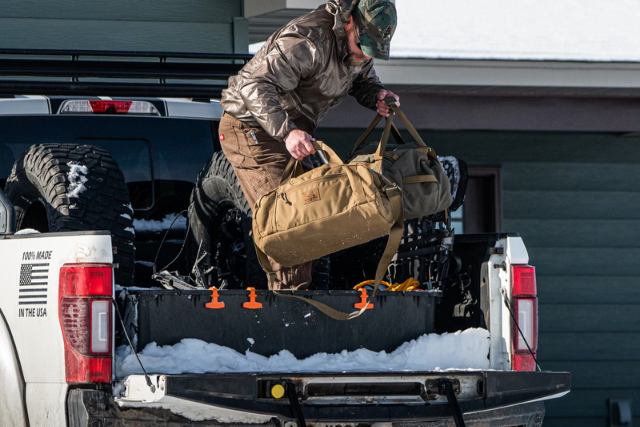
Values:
[(219, 215), (39, 187)]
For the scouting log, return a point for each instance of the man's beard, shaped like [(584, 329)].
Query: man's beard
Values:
[(352, 60)]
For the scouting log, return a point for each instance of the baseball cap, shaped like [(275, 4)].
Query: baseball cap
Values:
[(377, 21)]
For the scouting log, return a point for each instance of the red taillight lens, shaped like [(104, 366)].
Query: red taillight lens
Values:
[(86, 319), (117, 107), (525, 308), (524, 280)]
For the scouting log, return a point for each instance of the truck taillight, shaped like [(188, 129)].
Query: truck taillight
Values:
[(86, 106), (86, 321), (525, 308)]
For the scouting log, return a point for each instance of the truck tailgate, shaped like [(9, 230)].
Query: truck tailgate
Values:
[(283, 323)]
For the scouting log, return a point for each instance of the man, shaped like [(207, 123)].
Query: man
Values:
[(273, 105)]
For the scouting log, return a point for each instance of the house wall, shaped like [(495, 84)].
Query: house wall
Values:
[(574, 197), (146, 25)]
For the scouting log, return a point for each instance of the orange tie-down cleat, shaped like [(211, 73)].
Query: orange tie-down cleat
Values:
[(214, 304), (252, 304), (363, 300)]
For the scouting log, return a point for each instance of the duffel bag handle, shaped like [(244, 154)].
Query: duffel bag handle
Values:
[(294, 167), (393, 110)]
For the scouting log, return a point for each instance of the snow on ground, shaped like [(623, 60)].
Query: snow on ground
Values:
[(468, 349), (77, 177), (569, 30), (151, 225)]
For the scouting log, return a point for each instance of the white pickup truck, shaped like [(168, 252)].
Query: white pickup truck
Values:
[(70, 303), (57, 338)]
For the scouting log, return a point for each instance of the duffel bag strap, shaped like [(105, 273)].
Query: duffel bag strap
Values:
[(383, 143), (394, 131), (294, 168), (412, 130), (396, 134), (391, 128), (366, 133), (374, 123), (419, 178), (395, 237)]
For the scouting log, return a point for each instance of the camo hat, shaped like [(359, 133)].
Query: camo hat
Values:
[(376, 20)]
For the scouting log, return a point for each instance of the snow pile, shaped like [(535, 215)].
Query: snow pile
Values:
[(460, 350), (77, 177), (151, 225)]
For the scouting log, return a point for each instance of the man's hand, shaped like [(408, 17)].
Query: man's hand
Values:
[(382, 107), (299, 144)]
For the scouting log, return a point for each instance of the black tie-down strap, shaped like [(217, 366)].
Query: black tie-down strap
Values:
[(296, 410), (446, 386)]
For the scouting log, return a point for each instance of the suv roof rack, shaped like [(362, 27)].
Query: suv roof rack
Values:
[(116, 73)]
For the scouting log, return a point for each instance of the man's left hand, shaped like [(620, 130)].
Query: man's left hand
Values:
[(381, 106)]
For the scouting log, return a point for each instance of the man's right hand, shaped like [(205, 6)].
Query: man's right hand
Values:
[(299, 144)]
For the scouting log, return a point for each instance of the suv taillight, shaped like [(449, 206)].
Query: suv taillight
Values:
[(525, 309), (86, 319)]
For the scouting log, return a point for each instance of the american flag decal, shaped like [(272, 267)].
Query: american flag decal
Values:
[(33, 284)]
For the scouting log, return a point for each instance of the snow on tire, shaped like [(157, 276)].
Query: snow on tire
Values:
[(71, 187)]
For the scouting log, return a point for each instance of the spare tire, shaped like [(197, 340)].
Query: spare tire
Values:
[(71, 187), (220, 224)]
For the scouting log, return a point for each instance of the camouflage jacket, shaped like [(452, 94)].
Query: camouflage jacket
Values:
[(299, 75)]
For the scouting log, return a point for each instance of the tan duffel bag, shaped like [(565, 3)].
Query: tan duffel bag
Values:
[(414, 167), (327, 209)]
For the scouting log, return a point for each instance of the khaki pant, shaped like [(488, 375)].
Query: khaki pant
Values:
[(258, 164)]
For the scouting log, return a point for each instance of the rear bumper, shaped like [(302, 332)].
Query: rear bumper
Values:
[(502, 399), (97, 409)]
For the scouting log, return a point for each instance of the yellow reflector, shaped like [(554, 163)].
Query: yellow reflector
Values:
[(277, 391)]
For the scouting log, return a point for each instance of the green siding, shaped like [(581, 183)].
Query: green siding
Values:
[(570, 204), (124, 10), (581, 403), (575, 200), (580, 421), (588, 318), (592, 289), (616, 346), (193, 26), (591, 233)]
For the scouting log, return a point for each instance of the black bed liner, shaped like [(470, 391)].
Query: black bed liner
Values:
[(283, 323)]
